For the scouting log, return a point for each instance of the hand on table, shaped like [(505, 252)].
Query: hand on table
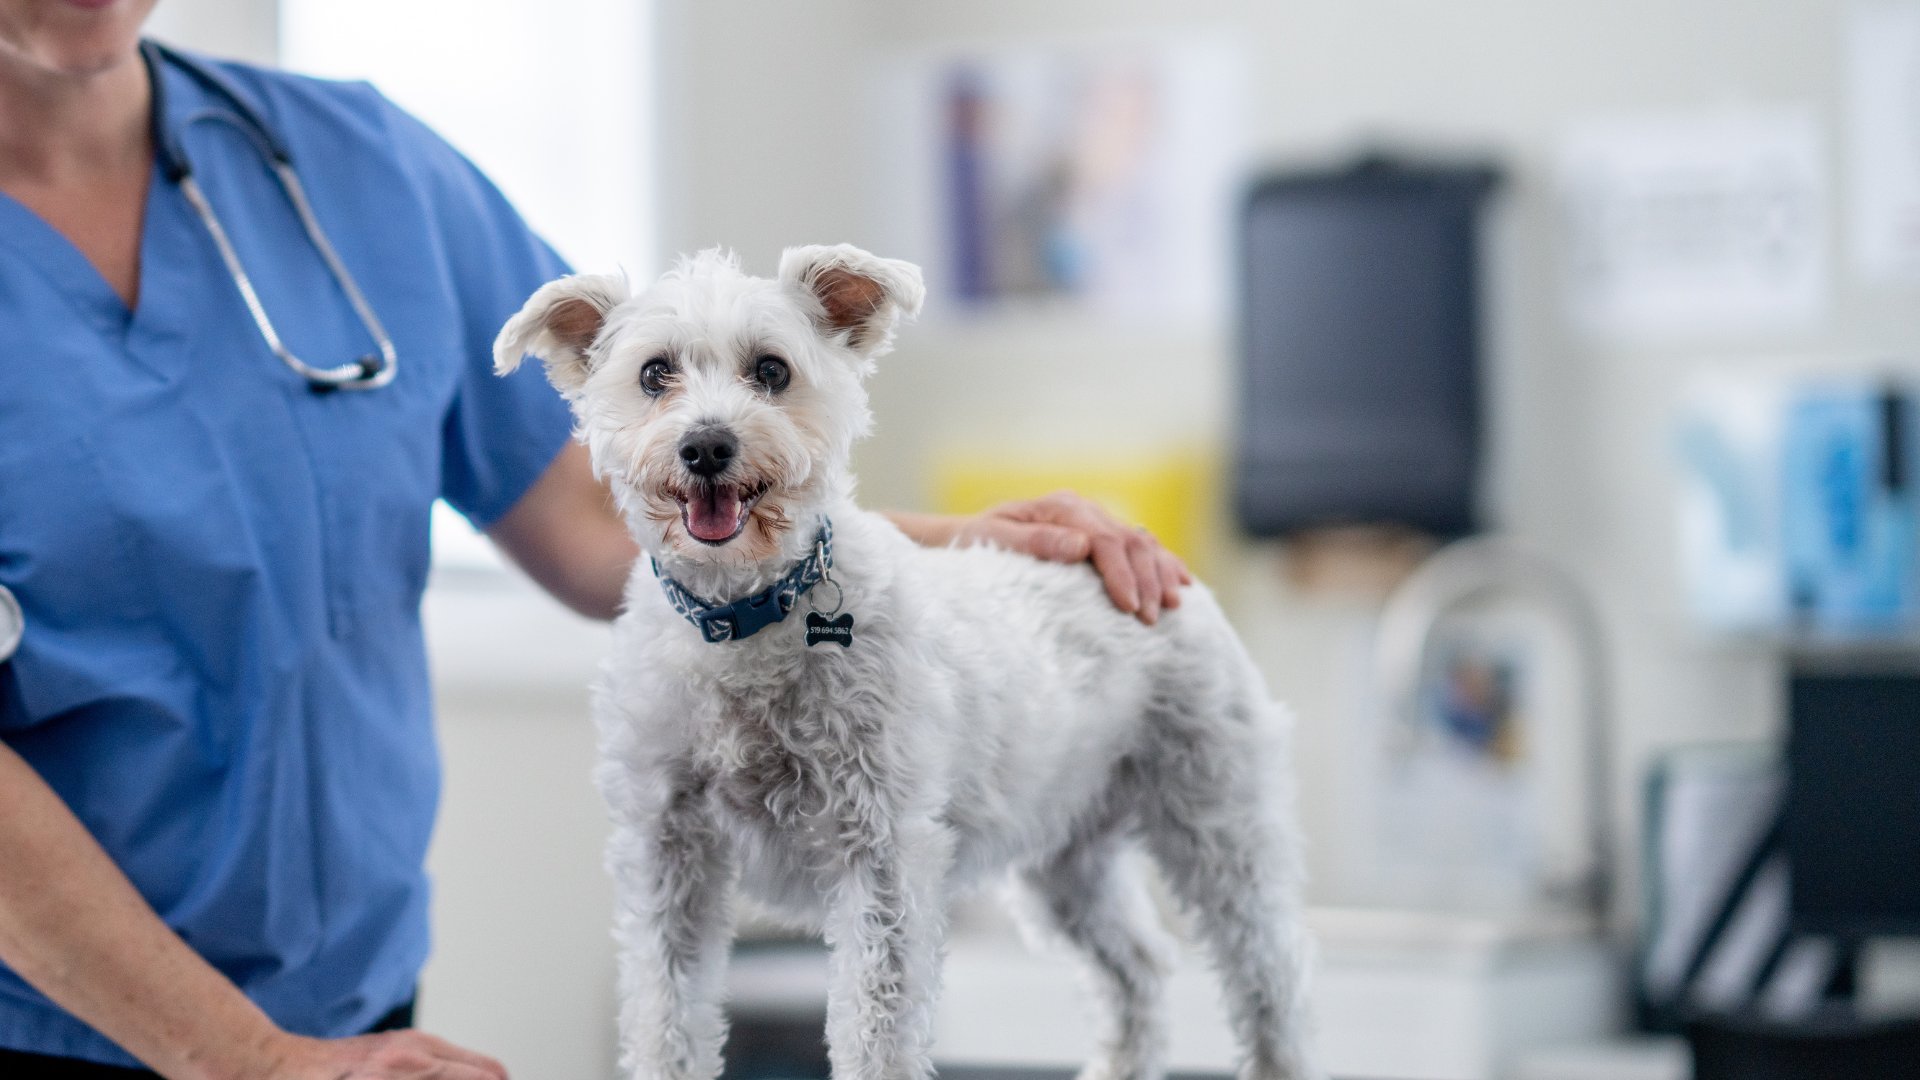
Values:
[(392, 1055)]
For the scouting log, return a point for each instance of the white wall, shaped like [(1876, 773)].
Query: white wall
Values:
[(242, 29), (766, 146)]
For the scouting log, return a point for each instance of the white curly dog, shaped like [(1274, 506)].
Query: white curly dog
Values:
[(926, 719)]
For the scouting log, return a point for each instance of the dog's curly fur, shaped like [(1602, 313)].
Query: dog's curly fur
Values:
[(994, 715)]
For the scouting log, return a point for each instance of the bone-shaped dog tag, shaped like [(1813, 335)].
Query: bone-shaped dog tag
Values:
[(820, 628)]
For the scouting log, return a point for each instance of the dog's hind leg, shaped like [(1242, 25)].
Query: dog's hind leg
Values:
[(1092, 898), (673, 880), (1218, 832)]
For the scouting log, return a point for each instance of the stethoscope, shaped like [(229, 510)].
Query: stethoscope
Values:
[(369, 372), (12, 624)]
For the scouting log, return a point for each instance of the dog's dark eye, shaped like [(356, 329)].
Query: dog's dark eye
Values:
[(771, 372), (655, 375)]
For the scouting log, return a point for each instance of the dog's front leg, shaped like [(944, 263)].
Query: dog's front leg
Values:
[(886, 928), (674, 876)]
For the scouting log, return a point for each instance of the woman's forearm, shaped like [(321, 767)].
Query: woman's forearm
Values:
[(74, 927), (927, 530), (565, 534)]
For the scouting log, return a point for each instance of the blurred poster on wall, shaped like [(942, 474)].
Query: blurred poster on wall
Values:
[(1092, 177), (1456, 790), (1477, 795), (1693, 224), (1798, 513), (1883, 129)]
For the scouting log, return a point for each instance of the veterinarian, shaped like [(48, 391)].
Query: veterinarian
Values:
[(221, 430)]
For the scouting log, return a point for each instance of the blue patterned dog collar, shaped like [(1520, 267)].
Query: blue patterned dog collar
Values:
[(747, 617)]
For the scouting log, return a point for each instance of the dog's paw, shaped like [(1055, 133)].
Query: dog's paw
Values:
[(1121, 1067), (1293, 1070)]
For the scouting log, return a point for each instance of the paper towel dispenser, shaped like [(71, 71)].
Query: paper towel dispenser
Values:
[(1360, 353)]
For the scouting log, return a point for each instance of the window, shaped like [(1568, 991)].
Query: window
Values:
[(552, 100)]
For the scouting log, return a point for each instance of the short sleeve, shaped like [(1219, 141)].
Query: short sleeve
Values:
[(500, 433)]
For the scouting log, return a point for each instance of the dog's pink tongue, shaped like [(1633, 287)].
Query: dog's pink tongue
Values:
[(714, 513)]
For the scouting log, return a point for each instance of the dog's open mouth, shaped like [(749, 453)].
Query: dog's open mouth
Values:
[(715, 513)]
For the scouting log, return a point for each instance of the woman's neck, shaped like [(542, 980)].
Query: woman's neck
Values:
[(57, 127), (76, 150)]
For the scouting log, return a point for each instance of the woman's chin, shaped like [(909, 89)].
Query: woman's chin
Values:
[(80, 38)]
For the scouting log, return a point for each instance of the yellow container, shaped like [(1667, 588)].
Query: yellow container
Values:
[(1170, 493)]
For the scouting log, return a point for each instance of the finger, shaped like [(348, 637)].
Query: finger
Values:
[(1053, 542), (1115, 565), (463, 1056), (1173, 574), (1144, 555), (485, 1067)]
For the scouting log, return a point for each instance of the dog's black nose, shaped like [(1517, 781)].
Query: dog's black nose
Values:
[(708, 451)]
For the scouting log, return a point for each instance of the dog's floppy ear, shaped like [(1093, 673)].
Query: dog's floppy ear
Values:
[(853, 293), (558, 325)]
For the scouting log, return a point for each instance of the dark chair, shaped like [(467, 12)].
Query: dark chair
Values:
[(1834, 1045)]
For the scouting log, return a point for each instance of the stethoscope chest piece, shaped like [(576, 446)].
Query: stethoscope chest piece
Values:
[(369, 372), (13, 624)]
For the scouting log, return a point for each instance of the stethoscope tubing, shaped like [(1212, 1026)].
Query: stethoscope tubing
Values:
[(13, 624), (369, 372)]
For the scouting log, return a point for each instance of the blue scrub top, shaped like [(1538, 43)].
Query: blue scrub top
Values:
[(223, 672)]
